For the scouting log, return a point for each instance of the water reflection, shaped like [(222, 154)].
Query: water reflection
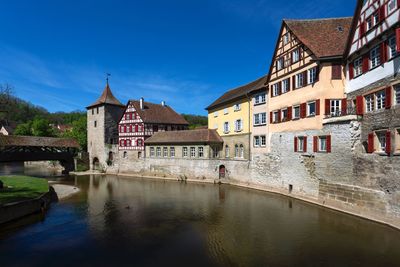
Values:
[(129, 221)]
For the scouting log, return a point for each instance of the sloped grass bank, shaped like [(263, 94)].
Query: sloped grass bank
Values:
[(19, 188)]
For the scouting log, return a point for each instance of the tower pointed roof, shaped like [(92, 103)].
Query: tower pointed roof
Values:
[(107, 98)]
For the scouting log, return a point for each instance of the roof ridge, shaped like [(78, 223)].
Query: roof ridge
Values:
[(317, 19)]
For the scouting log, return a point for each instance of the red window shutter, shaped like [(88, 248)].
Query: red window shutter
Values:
[(327, 106), (388, 99), (125, 129), (383, 52), (398, 40), (328, 144), (336, 72), (315, 144), (360, 105), (289, 112), (305, 82), (272, 91), (382, 13), (361, 31), (130, 128), (295, 144), (351, 71), (288, 81), (318, 107), (270, 117), (371, 143), (279, 115), (136, 128), (344, 106), (388, 148), (305, 143), (294, 82), (303, 112), (279, 88), (365, 63), (300, 53)]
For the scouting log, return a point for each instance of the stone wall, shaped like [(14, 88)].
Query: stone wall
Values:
[(232, 141)]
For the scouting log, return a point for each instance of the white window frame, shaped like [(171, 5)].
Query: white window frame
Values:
[(259, 99), (158, 152), (238, 125), (152, 152), (369, 103), (185, 152), (357, 65), (295, 55), (375, 57), (200, 152), (380, 100), (263, 140), (296, 107), (237, 107), (241, 150), (275, 89), (283, 112), (257, 141), (322, 144), (215, 114), (192, 152), (227, 151), (309, 114), (172, 152), (275, 116), (312, 75), (299, 80), (381, 138), (300, 144), (226, 111), (285, 86), (165, 152), (396, 94), (335, 107), (391, 5), (285, 38), (280, 62), (226, 127), (392, 47)]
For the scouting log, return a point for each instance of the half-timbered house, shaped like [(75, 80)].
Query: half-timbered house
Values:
[(373, 66), (141, 120)]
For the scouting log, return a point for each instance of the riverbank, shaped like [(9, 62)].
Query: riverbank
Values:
[(65, 191), (354, 211)]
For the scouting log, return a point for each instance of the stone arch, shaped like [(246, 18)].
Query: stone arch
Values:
[(96, 163), (222, 171)]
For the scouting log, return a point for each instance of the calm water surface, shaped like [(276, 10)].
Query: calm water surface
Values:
[(116, 221)]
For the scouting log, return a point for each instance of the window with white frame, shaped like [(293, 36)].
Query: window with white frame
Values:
[(152, 152), (215, 114), (311, 108), (381, 137), (391, 5), (375, 57), (237, 107), (226, 111), (236, 151), (312, 75), (296, 112), (336, 107), (275, 89), (279, 63), (215, 152), (275, 116), (295, 55), (397, 94), (226, 151), (201, 152), (260, 119), (226, 127), (369, 103), (241, 151), (158, 151), (263, 140), (284, 114), (299, 80), (285, 86), (357, 65), (238, 125), (300, 144), (172, 152), (392, 47), (256, 141), (370, 23), (322, 144), (286, 38), (259, 99), (192, 152), (380, 99), (185, 152), (165, 152)]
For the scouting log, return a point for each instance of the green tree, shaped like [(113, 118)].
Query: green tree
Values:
[(42, 127), (79, 132), (24, 129)]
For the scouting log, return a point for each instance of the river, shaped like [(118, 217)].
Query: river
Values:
[(119, 221)]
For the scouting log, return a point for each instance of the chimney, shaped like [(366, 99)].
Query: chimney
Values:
[(141, 103), (163, 103)]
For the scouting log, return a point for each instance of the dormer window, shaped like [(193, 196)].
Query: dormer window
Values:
[(286, 39)]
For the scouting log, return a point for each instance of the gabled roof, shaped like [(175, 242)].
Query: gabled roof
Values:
[(201, 136), (33, 141), (106, 97), (155, 113), (239, 92), (353, 27), (324, 37)]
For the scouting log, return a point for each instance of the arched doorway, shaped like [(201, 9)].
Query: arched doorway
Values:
[(96, 164), (222, 171), (110, 158)]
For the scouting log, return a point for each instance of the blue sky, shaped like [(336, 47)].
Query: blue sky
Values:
[(186, 52)]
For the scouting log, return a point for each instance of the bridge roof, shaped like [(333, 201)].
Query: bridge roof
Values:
[(33, 141)]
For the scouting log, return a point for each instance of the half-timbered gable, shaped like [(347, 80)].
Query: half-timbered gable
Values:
[(372, 82), (142, 119), (306, 73)]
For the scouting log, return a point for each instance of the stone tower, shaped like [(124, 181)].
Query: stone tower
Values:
[(102, 129)]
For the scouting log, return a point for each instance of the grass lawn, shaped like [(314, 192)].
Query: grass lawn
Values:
[(18, 188)]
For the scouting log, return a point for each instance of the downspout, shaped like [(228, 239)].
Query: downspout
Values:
[(249, 99)]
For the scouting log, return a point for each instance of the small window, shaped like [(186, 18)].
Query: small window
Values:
[(241, 151), (285, 86), (185, 152), (236, 151), (312, 75), (295, 55), (260, 119), (259, 99), (284, 114), (158, 152), (392, 47), (95, 124), (237, 107), (311, 108), (397, 94), (172, 152), (275, 117), (322, 144), (397, 140), (215, 152), (226, 111), (92, 111), (201, 152), (300, 144), (375, 57), (286, 38), (226, 127), (391, 6), (192, 152), (369, 103), (336, 107), (279, 63), (299, 80), (275, 89), (296, 112), (125, 155), (263, 140), (381, 138), (215, 114), (256, 141), (97, 110), (357, 65), (238, 125), (165, 152), (226, 151), (151, 152), (380, 100)]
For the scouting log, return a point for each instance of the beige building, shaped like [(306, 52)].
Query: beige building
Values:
[(190, 144)]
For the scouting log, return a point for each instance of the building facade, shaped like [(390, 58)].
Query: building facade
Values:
[(141, 120), (373, 84), (102, 129)]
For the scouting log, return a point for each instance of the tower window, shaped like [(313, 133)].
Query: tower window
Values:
[(95, 124)]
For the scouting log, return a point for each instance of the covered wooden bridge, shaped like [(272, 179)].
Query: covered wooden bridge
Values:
[(31, 148)]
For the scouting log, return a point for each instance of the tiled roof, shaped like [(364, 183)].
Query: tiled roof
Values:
[(106, 97), (185, 137), (324, 37), (33, 141), (155, 113), (239, 92)]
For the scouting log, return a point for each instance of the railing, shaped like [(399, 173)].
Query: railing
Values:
[(341, 113)]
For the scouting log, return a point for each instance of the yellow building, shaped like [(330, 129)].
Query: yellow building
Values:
[(232, 116)]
